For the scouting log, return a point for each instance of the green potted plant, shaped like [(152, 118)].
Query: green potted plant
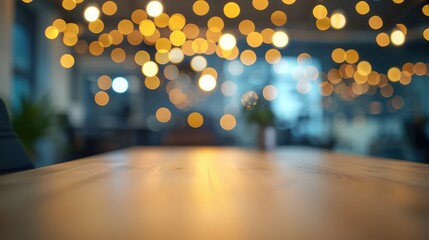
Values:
[(259, 112), (31, 120)]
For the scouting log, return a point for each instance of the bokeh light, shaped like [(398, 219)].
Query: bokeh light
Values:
[(120, 84), (154, 8), (227, 41), (101, 98), (228, 122), (150, 69), (280, 39), (67, 61), (338, 20), (397, 37), (163, 115), (195, 120), (91, 13), (207, 82)]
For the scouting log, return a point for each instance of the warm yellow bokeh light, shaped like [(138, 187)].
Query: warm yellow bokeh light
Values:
[(125, 26), (147, 27), (231, 10), (163, 115), (199, 45), (420, 69), (364, 68), (152, 83), (69, 4), (254, 39), (338, 55), (101, 98), (280, 39), (248, 57), (207, 82), (150, 69), (118, 55), (213, 36), (138, 15), (228, 122), (425, 10), (288, 2), (362, 7), (227, 41), (195, 120), (151, 39), (154, 8), (95, 48), (191, 31), (177, 38), (352, 56), (402, 27), (163, 45), (260, 4), (162, 20), (383, 39), (135, 38), (91, 13), (67, 61), (278, 18), (104, 82), (246, 26), (267, 35), (96, 26), (60, 24), (177, 22), (215, 24), (109, 8), (273, 56), (270, 92), (51, 32), (394, 74), (326, 89), (397, 37), (323, 24), (210, 71), (162, 57), (338, 20), (375, 22), (116, 36), (426, 34), (105, 40), (200, 7), (320, 11)]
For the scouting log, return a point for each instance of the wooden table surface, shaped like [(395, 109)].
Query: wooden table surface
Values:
[(217, 193)]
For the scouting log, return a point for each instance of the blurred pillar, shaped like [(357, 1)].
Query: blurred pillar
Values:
[(6, 23)]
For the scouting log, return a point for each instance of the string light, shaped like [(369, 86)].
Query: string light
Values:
[(207, 82), (154, 8), (280, 39), (397, 37), (227, 41), (91, 13), (178, 41)]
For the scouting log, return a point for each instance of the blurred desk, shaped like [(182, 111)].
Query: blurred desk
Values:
[(217, 193)]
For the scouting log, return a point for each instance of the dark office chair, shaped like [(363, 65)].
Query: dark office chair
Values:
[(12, 154)]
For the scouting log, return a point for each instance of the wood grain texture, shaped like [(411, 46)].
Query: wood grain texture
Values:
[(217, 193)]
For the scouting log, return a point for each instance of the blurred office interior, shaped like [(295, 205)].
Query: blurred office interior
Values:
[(97, 76)]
